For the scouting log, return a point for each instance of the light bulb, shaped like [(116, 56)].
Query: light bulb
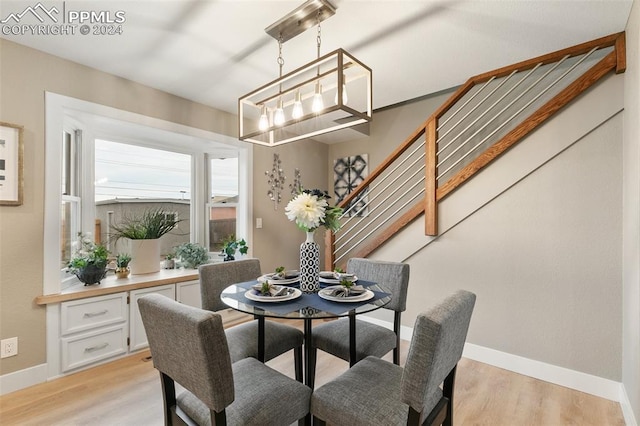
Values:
[(345, 98), (297, 107), (263, 123), (278, 118), (318, 103)]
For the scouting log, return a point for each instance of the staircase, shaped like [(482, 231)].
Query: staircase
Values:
[(485, 117)]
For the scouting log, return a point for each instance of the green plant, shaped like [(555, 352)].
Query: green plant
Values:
[(231, 245), (192, 255), (87, 253), (150, 224), (122, 260)]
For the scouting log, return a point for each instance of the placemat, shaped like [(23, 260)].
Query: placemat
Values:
[(306, 301)]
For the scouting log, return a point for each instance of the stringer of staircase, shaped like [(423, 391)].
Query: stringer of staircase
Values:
[(485, 117)]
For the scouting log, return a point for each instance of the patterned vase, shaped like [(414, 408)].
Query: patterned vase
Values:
[(309, 265)]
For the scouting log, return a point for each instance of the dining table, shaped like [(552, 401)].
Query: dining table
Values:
[(298, 305)]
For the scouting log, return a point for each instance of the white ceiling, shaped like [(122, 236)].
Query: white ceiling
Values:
[(213, 52)]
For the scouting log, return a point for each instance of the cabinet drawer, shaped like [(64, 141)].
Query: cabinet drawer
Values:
[(86, 314), (84, 349)]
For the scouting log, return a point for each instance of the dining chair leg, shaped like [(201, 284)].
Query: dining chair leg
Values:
[(297, 358), (318, 422), (352, 339), (305, 421), (396, 329)]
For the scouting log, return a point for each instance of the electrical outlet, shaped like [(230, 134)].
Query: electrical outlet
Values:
[(8, 347)]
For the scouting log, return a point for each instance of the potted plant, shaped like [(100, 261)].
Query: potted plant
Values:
[(144, 231), (169, 261), (231, 245), (122, 265), (192, 255), (89, 261)]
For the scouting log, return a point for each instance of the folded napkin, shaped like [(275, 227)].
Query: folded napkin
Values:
[(342, 276), (274, 290), (284, 275), (342, 291)]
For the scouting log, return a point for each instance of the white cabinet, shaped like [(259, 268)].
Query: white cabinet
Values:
[(188, 292), (93, 329), (90, 326), (137, 335)]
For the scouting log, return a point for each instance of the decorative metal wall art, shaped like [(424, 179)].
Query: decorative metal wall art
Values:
[(296, 186), (349, 172), (275, 178)]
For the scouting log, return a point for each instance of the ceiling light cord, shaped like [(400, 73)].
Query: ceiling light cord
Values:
[(278, 117), (318, 103)]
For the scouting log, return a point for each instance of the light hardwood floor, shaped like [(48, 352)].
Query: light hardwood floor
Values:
[(127, 392)]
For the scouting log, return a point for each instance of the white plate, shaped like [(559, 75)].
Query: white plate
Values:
[(251, 295), (325, 294), (285, 281), (335, 281)]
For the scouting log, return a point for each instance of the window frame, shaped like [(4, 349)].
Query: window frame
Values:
[(101, 122)]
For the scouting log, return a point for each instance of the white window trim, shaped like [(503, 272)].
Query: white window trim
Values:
[(193, 141)]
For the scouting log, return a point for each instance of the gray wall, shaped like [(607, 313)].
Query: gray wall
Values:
[(631, 216), (538, 236), (544, 258)]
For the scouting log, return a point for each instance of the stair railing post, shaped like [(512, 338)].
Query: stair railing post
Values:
[(431, 204)]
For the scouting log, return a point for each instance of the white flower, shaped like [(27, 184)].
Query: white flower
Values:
[(307, 211)]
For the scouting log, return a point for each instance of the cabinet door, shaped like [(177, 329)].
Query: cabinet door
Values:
[(189, 293), (137, 335)]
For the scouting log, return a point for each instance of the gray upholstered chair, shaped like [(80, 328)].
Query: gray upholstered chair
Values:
[(243, 338), (377, 392), (188, 346), (371, 339)]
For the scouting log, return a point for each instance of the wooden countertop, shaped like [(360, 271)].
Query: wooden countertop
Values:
[(111, 285)]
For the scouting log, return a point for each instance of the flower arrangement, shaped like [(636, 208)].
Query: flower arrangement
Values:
[(87, 253), (310, 210)]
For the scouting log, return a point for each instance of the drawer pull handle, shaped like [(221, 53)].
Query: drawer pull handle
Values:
[(95, 314), (96, 348)]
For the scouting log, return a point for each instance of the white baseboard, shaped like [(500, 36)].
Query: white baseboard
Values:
[(598, 386), (22, 379), (627, 412)]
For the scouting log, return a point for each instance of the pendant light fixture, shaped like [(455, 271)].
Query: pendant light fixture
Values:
[(292, 107)]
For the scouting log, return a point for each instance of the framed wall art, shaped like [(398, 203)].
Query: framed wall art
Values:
[(11, 164), (348, 173)]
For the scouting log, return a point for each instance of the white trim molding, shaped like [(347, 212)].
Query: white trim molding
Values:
[(23, 379), (598, 386)]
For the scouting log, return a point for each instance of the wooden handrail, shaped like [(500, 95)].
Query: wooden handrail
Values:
[(434, 193), (605, 65)]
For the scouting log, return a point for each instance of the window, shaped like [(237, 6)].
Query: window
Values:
[(223, 202), (71, 202), (130, 178), (112, 158)]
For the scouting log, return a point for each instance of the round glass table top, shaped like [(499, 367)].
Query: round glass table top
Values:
[(301, 305)]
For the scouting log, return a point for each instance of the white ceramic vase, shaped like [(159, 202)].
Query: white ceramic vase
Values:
[(145, 256)]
